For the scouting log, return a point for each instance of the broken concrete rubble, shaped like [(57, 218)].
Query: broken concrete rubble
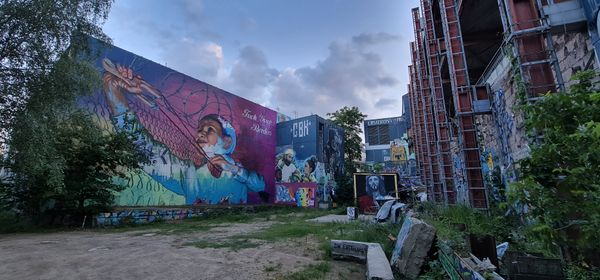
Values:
[(377, 263), (413, 243)]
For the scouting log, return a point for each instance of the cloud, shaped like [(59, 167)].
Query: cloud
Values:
[(200, 60), (365, 39), (350, 75), (250, 75), (386, 102)]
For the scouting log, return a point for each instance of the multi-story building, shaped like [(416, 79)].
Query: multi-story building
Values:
[(387, 144), (473, 63)]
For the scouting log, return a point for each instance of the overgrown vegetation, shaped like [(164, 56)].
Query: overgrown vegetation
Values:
[(59, 160), (454, 222), (561, 179), (554, 208), (313, 271)]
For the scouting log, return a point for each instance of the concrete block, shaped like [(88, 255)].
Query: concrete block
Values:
[(349, 250), (412, 246), (378, 267)]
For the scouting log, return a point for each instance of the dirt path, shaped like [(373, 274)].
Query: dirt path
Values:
[(152, 255)]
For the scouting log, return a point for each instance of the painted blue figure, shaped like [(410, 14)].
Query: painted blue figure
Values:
[(218, 179)]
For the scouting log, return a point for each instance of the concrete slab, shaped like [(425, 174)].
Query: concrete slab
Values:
[(412, 246), (378, 267), (349, 250), (341, 219)]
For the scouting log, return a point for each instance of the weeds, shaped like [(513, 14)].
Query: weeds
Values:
[(311, 272), (234, 245)]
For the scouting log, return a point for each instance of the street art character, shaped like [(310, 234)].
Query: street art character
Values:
[(207, 174), (334, 153), (308, 171), (289, 172), (283, 195), (375, 187)]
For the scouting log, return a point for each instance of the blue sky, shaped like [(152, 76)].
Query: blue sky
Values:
[(299, 57)]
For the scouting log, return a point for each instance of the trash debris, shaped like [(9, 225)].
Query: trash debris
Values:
[(501, 249), (352, 213)]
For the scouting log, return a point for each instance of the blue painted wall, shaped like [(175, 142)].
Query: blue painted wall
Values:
[(310, 139)]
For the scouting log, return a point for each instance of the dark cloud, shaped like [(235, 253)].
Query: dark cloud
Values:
[(386, 102), (251, 75), (374, 38)]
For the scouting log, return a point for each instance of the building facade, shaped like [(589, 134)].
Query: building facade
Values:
[(387, 145), (207, 146), (310, 150), (470, 73)]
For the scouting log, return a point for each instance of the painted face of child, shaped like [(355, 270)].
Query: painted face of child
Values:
[(209, 133), (211, 139)]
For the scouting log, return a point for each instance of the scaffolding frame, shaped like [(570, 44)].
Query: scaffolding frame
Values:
[(443, 129), (416, 121), (463, 103), (428, 115), (420, 110), (526, 29)]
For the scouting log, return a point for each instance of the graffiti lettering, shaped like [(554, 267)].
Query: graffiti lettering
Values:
[(248, 114), (300, 129), (261, 130), (265, 121)]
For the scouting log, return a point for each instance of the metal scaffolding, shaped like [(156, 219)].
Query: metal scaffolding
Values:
[(442, 124), (428, 116), (463, 103), (422, 147), (528, 32)]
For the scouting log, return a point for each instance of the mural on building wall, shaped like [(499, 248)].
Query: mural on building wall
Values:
[(492, 175), (299, 194), (207, 146), (460, 182), (371, 187), (142, 216), (507, 134), (310, 151)]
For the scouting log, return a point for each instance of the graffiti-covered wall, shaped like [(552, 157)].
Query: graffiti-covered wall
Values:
[(299, 194), (381, 133), (310, 149), (207, 146)]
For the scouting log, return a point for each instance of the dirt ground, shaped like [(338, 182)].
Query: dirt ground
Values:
[(149, 254)]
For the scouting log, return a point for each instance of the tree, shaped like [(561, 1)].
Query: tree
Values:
[(33, 36), (561, 179), (350, 119), (58, 157)]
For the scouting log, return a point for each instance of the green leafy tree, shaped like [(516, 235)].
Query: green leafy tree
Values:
[(561, 179), (350, 119), (33, 36), (59, 158)]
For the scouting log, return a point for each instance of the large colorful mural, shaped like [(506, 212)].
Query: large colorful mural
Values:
[(299, 194), (310, 150), (207, 146)]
